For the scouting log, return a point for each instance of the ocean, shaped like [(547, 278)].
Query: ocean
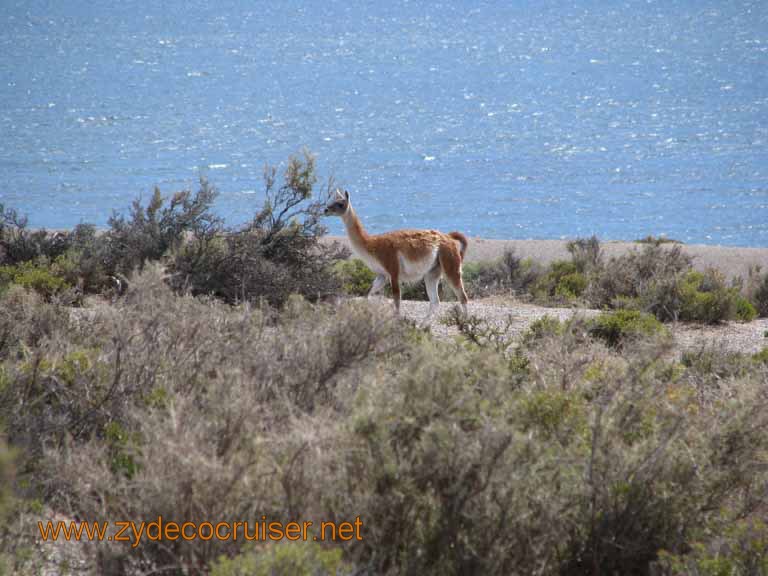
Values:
[(499, 119)]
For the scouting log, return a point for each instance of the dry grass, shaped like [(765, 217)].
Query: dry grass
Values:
[(546, 454)]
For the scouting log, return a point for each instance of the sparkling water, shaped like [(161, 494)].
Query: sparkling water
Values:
[(500, 119)]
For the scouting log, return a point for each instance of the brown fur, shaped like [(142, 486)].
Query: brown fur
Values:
[(416, 246)]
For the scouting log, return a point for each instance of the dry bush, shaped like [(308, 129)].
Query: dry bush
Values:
[(556, 455), (508, 275), (150, 232), (26, 321), (178, 407), (586, 254), (585, 466), (646, 276), (756, 290), (84, 264), (277, 254), (20, 244)]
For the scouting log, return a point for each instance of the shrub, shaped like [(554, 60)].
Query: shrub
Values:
[(540, 329), (741, 548), (480, 332), (26, 321), (648, 276), (657, 240), (38, 277), (562, 282), (762, 356), (757, 291), (177, 407), (283, 559), (356, 278), (18, 244), (623, 326), (150, 232), (705, 298), (586, 254), (509, 274), (443, 461), (7, 500), (571, 286), (277, 254), (84, 263), (551, 457), (417, 291), (745, 311), (660, 281)]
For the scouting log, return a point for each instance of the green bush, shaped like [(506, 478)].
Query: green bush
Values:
[(740, 549), (541, 328), (38, 277), (706, 298), (657, 240), (283, 559), (562, 283), (623, 326), (745, 311), (659, 280), (84, 263), (571, 286), (356, 278), (762, 356)]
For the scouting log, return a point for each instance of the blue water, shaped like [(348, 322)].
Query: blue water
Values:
[(500, 119)]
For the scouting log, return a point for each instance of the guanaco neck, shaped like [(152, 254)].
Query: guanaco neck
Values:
[(357, 234)]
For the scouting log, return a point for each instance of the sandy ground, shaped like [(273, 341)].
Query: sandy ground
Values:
[(516, 317), (732, 261)]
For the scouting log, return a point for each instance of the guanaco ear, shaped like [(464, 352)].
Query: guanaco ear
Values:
[(346, 195), (339, 196)]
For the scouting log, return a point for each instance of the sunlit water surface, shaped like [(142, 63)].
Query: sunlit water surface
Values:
[(499, 119)]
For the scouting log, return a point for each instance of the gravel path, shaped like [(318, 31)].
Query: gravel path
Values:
[(747, 337)]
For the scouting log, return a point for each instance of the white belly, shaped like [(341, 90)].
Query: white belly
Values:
[(413, 270), (410, 270)]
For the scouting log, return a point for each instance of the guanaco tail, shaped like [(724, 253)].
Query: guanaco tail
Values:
[(405, 255)]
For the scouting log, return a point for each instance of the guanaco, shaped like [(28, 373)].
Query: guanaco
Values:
[(405, 255)]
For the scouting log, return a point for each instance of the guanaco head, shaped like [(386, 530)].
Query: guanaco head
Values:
[(338, 204)]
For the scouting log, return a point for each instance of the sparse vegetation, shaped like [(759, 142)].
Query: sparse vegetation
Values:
[(165, 404), (219, 386)]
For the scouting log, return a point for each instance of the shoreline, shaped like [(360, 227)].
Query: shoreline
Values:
[(732, 261)]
